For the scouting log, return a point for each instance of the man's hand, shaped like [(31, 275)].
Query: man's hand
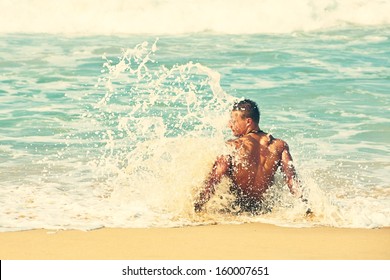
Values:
[(198, 207), (296, 191)]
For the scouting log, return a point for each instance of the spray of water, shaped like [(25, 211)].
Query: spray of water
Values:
[(163, 127)]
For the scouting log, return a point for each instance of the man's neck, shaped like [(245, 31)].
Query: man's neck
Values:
[(255, 130)]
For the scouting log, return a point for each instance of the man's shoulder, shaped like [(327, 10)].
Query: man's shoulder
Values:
[(279, 143), (282, 144), (236, 143)]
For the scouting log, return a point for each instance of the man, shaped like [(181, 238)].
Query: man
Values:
[(252, 163)]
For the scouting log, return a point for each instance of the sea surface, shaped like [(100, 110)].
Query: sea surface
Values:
[(111, 115)]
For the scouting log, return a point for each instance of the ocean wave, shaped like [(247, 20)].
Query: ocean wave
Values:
[(178, 17)]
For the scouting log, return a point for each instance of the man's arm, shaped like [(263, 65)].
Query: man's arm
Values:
[(220, 168), (291, 177), (290, 174)]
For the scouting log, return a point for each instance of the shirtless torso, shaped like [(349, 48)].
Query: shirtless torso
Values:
[(255, 158)]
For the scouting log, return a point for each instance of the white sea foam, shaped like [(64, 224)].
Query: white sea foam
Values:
[(174, 16)]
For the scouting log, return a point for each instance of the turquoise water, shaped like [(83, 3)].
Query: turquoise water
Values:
[(121, 130)]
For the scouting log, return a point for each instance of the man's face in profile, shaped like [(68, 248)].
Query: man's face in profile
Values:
[(238, 123)]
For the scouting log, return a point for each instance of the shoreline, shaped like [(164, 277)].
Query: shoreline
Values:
[(210, 242)]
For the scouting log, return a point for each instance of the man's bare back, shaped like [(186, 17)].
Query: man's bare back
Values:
[(256, 158), (252, 164)]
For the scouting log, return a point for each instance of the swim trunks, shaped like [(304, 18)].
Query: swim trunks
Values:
[(244, 203)]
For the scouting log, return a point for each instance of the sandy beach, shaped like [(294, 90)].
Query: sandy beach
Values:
[(214, 242)]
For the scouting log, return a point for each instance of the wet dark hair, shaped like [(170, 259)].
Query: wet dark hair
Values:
[(249, 109)]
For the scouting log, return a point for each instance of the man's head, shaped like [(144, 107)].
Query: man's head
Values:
[(248, 108), (244, 118)]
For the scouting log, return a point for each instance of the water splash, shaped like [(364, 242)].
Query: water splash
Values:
[(162, 126)]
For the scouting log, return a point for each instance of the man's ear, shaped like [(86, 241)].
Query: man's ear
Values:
[(249, 121)]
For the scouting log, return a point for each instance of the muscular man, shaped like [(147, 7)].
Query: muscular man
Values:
[(254, 159)]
